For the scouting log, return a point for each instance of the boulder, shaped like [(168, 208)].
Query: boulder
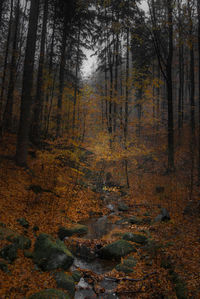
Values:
[(122, 207), (163, 216), (77, 229), (76, 275), (66, 282), (140, 239), (3, 266), (9, 252), (20, 241), (116, 250), (127, 265), (23, 222), (123, 268), (49, 294), (50, 254), (135, 220)]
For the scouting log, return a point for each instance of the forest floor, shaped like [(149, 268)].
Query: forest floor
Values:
[(170, 269)]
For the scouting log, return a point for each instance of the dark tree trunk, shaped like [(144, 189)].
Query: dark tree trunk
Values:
[(26, 99), (170, 88), (61, 80), (198, 7), (5, 67), (37, 118), (127, 89), (76, 82), (13, 69)]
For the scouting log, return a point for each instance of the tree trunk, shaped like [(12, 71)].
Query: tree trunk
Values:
[(127, 90), (61, 80), (170, 89), (5, 67), (26, 98), (198, 7), (76, 82), (13, 69), (37, 118)]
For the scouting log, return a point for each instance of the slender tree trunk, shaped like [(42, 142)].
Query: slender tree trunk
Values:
[(26, 99), (9, 105), (5, 67), (51, 84), (76, 82), (61, 80), (1, 11), (37, 117), (198, 7), (170, 89), (116, 81), (127, 89)]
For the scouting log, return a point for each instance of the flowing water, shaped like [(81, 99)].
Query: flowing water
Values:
[(97, 228)]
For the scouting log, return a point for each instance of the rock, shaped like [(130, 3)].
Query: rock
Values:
[(3, 266), (141, 239), (22, 242), (23, 222), (66, 282), (123, 268), (35, 228), (116, 249), (76, 275), (123, 207), (180, 287), (9, 252), (50, 254), (130, 262), (49, 294), (28, 254), (160, 189), (77, 229), (19, 240), (122, 221), (127, 265), (164, 216), (135, 220)]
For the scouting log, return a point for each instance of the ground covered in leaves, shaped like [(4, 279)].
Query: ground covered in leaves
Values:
[(53, 192)]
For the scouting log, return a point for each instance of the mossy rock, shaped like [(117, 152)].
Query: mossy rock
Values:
[(77, 229), (20, 241), (116, 250), (3, 266), (23, 222), (130, 262), (76, 275), (179, 285), (135, 220), (28, 254), (9, 252), (137, 238), (50, 254), (49, 294), (123, 207), (123, 268), (66, 282)]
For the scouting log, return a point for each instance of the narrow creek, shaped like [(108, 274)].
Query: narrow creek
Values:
[(97, 228)]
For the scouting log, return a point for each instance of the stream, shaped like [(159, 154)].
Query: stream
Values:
[(97, 228)]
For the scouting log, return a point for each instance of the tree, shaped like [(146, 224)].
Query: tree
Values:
[(27, 87)]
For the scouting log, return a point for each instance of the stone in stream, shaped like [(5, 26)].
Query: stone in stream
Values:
[(66, 282), (127, 265), (122, 207), (23, 222), (164, 216), (135, 220), (116, 250), (137, 238), (49, 294), (77, 229), (50, 254)]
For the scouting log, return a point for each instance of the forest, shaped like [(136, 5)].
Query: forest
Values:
[(99, 149)]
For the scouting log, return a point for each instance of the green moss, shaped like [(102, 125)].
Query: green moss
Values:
[(117, 249), (49, 294)]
